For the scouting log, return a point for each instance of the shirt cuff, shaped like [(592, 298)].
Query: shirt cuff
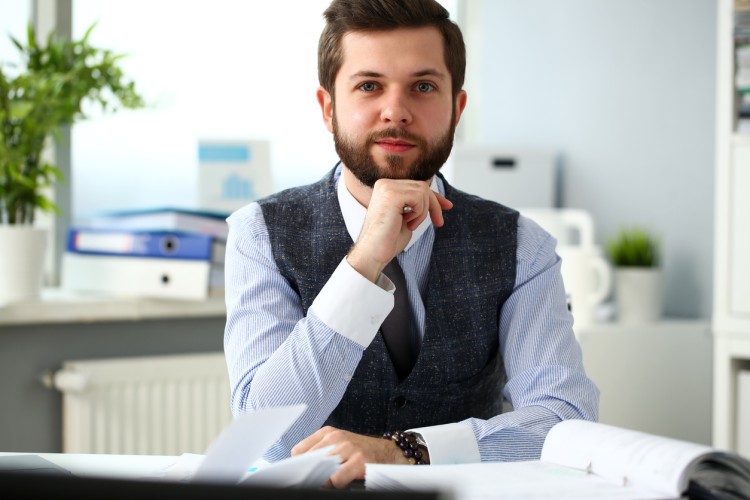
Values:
[(450, 444), (352, 305)]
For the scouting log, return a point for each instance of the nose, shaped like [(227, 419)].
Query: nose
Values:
[(395, 109)]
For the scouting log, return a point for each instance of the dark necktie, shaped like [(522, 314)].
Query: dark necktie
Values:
[(396, 328)]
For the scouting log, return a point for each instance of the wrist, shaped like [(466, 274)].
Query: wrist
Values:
[(423, 447), (367, 267), (411, 446)]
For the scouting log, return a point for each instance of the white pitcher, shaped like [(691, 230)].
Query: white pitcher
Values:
[(587, 276), (569, 226)]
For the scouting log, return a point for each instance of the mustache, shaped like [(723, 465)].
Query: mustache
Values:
[(396, 133)]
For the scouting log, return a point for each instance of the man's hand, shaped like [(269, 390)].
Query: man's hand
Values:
[(355, 451), (387, 229)]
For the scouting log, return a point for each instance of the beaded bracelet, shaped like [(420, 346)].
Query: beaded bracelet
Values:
[(412, 450)]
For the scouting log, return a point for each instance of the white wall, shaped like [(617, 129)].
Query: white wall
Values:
[(624, 90)]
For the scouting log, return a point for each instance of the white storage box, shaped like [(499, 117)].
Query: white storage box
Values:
[(515, 178)]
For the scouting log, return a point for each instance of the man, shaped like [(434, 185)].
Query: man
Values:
[(310, 299)]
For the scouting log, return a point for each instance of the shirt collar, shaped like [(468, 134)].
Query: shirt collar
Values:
[(354, 213)]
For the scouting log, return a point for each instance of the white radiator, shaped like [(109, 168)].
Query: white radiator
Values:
[(165, 405)]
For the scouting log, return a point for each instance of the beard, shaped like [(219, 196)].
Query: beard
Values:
[(359, 160)]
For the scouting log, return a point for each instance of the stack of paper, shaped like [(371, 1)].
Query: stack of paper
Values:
[(513, 480), (582, 460), (235, 456), (310, 470)]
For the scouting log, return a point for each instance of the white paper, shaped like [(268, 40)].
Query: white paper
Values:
[(646, 461), (244, 441), (183, 469), (310, 470), (494, 481), (580, 459)]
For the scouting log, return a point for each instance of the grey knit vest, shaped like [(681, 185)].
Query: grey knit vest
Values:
[(459, 372)]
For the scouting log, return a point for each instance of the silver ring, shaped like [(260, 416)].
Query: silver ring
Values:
[(406, 210)]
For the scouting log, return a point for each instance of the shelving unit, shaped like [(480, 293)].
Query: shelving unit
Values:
[(731, 318)]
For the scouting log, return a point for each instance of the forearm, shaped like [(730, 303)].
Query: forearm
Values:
[(278, 353), (546, 381), (312, 366), (519, 434), (278, 356)]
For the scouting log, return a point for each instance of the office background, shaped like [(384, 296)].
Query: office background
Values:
[(625, 92), (622, 90)]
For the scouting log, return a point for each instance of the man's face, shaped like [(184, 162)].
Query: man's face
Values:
[(394, 115)]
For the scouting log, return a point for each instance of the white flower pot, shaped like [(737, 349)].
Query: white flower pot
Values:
[(639, 294), (22, 251)]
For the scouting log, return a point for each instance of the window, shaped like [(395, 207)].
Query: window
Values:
[(13, 22), (219, 70)]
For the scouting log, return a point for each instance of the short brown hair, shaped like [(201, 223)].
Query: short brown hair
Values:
[(343, 16)]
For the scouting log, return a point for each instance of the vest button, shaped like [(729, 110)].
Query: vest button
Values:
[(399, 401)]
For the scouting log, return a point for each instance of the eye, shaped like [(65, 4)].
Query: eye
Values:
[(425, 87), (368, 87)]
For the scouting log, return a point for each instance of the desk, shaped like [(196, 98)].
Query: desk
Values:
[(117, 477), (114, 466)]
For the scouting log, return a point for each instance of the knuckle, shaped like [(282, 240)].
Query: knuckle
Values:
[(338, 434)]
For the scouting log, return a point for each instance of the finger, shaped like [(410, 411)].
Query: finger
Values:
[(414, 224), (420, 207), (310, 441), (434, 202), (445, 203), (438, 203), (352, 469), (415, 215), (338, 437), (303, 446)]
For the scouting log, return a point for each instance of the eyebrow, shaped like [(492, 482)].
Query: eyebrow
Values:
[(416, 74)]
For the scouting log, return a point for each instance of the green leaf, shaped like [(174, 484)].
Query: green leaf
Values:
[(634, 247), (19, 110), (16, 43), (50, 91)]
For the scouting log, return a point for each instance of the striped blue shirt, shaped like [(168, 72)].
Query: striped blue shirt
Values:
[(278, 356)]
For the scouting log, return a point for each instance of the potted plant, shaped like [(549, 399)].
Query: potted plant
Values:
[(47, 91), (636, 258)]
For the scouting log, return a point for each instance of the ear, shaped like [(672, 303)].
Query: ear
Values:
[(460, 104), (326, 107)]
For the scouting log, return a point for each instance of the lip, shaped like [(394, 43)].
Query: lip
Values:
[(393, 145)]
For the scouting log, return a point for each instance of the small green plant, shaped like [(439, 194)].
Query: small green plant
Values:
[(634, 247), (35, 102)]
